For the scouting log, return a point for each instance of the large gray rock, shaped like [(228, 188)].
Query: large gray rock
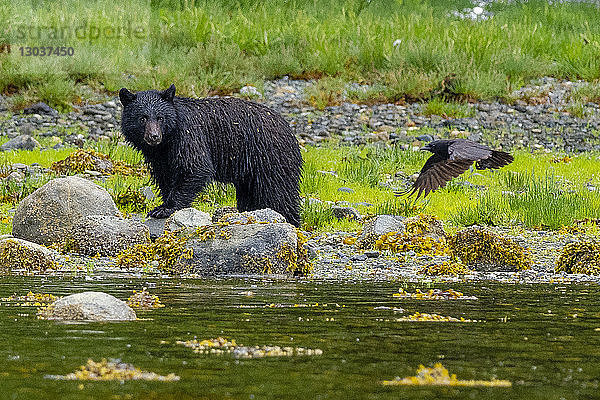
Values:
[(48, 215), (107, 235), (381, 225), (244, 249), (265, 215), (22, 142), (19, 254), (40, 108), (89, 306), (187, 219)]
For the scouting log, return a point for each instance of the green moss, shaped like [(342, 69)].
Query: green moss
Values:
[(580, 258), (474, 246)]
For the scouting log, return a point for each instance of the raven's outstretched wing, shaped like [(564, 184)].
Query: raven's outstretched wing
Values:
[(436, 172), (498, 159), (463, 149), (486, 158)]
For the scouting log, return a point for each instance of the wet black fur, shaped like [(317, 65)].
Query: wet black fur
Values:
[(226, 140)]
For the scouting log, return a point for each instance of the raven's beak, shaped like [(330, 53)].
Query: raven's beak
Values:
[(426, 147)]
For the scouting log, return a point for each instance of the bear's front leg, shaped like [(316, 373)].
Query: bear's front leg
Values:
[(181, 195), (161, 211)]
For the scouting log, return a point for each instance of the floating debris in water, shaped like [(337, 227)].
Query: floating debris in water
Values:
[(296, 305), (221, 346), (433, 294), (113, 370), (143, 300), (439, 376), (30, 299), (424, 317)]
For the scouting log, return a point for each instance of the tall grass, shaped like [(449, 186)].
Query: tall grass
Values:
[(217, 46), (536, 202)]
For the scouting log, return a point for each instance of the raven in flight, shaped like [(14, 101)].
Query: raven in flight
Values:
[(450, 159)]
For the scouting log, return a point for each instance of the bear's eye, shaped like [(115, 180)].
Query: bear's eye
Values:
[(143, 120), (159, 118)]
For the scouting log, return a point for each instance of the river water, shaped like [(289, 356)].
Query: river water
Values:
[(545, 339)]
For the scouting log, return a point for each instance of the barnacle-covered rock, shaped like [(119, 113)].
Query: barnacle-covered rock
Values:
[(222, 346), (48, 215), (18, 254), (107, 235), (220, 212), (88, 306), (244, 249), (581, 257), (484, 250), (263, 216)]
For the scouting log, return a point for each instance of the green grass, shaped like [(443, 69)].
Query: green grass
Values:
[(534, 191), (438, 106), (218, 46)]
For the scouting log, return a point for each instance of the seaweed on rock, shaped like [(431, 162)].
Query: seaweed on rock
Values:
[(580, 258), (483, 249)]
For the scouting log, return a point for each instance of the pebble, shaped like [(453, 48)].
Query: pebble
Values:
[(539, 119)]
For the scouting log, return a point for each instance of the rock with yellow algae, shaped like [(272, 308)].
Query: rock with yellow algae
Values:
[(18, 254), (582, 257), (483, 251)]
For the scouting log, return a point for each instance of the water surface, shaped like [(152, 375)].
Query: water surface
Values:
[(545, 339)]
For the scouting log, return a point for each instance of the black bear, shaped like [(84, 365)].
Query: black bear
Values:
[(188, 143)]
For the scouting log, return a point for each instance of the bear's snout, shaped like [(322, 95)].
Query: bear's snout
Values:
[(153, 133)]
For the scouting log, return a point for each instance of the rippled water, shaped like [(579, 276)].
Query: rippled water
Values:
[(543, 338)]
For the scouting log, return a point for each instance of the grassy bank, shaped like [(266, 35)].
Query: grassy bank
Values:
[(208, 47), (539, 190)]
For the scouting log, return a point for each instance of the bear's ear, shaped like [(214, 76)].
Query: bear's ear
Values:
[(126, 96), (168, 94)]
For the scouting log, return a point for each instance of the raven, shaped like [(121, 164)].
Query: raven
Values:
[(450, 159)]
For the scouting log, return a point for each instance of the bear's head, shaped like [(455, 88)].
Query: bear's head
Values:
[(148, 117)]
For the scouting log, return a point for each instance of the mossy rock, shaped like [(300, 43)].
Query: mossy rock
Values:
[(486, 251), (18, 254), (580, 258)]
